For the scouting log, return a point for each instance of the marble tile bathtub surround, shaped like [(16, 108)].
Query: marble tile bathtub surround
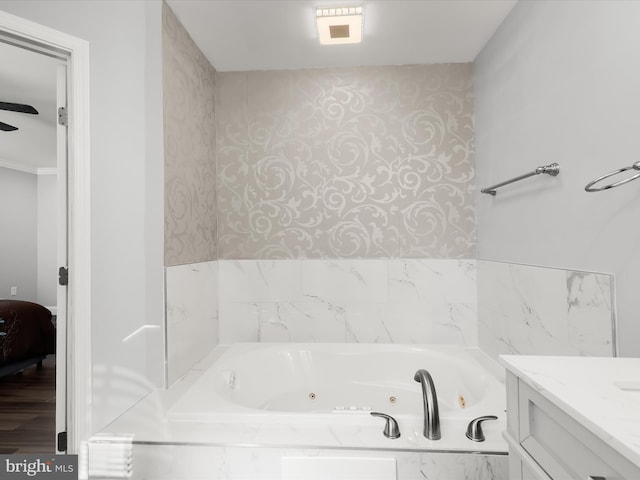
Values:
[(192, 315), (532, 310), (372, 301), (518, 309), (168, 462)]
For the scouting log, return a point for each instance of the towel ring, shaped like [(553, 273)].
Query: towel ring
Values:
[(589, 187)]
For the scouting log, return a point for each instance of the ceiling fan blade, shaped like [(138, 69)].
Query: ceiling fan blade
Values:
[(18, 107), (7, 128)]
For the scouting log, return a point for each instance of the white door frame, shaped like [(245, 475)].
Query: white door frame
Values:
[(62, 223), (44, 39)]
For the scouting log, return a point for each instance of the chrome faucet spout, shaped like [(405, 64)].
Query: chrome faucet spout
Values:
[(430, 405)]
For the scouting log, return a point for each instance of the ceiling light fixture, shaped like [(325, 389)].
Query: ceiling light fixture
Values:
[(337, 26)]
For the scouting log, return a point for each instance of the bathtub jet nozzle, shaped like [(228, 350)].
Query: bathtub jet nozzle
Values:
[(431, 428)]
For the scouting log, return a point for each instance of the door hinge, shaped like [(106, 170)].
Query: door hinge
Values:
[(63, 116), (62, 442), (63, 276)]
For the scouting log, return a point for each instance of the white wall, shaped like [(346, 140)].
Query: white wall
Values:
[(18, 223), (47, 240), (558, 82), (126, 190)]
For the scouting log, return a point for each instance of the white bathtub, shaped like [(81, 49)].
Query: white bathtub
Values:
[(322, 395)]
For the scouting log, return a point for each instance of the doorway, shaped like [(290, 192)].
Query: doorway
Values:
[(29, 177), (73, 308)]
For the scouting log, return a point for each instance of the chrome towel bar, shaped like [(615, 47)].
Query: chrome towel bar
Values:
[(590, 186), (552, 169)]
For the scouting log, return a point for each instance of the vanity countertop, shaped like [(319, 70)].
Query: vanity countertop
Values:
[(603, 394)]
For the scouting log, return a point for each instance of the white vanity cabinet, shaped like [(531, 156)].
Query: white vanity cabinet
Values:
[(549, 440)]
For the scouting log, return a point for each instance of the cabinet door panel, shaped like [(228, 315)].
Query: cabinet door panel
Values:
[(528, 474), (564, 448), (521, 465)]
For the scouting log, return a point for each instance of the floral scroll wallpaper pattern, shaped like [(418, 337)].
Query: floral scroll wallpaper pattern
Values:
[(371, 162), (189, 148)]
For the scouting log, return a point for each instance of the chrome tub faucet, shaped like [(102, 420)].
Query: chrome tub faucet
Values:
[(430, 405)]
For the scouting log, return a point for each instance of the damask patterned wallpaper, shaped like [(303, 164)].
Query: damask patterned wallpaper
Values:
[(370, 162), (189, 147)]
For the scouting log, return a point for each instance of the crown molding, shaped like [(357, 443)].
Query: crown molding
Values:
[(28, 169), (19, 167)]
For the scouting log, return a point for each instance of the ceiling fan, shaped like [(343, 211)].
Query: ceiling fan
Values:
[(15, 107)]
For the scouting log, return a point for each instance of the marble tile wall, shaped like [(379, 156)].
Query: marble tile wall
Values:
[(192, 315), (503, 308), (371, 301), (168, 462), (547, 311)]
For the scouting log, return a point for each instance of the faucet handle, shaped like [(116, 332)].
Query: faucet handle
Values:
[(391, 429), (474, 430)]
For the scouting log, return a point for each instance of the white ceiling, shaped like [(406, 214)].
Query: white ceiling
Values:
[(29, 78), (281, 34)]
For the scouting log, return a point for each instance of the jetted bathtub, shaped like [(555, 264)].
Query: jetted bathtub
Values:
[(319, 394)]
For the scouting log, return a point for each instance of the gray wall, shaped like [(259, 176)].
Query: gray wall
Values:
[(559, 83), (28, 256), (126, 190), (18, 234), (47, 239)]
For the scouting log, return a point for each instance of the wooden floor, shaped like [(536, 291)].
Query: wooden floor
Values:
[(27, 410)]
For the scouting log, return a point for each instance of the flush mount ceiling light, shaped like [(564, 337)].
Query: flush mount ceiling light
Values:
[(339, 25)]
